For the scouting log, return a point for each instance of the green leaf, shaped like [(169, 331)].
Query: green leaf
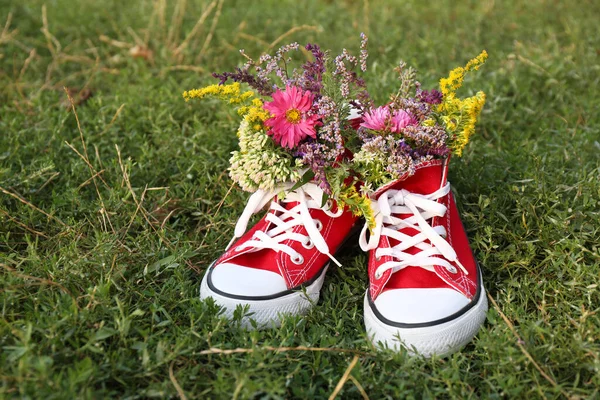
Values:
[(324, 201), (15, 352), (160, 263), (308, 175), (103, 333)]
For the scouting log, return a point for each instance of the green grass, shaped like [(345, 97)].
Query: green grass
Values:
[(100, 277)]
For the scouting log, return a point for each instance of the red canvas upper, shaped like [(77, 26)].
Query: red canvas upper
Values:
[(428, 178), (334, 231)]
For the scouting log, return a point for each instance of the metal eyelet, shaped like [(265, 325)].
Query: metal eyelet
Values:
[(297, 259), (308, 244), (378, 275), (319, 225), (238, 248), (452, 270), (329, 204)]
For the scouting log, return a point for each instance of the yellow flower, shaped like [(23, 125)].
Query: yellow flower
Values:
[(459, 116), (257, 115), (456, 77), (231, 92), (477, 62), (359, 204), (254, 114)]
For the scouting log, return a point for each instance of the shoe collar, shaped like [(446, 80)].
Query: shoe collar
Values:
[(428, 177)]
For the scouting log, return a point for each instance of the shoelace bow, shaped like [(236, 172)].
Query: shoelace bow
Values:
[(308, 196), (422, 207)]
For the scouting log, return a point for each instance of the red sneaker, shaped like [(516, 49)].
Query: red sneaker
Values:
[(425, 288), (278, 266)]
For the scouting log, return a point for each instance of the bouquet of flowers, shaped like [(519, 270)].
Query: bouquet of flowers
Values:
[(318, 123), (415, 126)]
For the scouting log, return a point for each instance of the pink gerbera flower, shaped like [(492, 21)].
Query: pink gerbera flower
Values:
[(376, 119), (401, 119), (380, 119), (290, 123)]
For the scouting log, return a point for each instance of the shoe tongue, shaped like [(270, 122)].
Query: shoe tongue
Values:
[(428, 177)]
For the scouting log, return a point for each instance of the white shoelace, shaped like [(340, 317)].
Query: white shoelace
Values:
[(308, 196), (422, 208)]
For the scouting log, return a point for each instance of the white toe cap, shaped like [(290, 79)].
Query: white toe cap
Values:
[(413, 306), (243, 281)]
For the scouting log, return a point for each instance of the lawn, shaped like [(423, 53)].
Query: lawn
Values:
[(110, 214)]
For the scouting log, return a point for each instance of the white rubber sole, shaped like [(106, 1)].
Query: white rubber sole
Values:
[(441, 339), (267, 313)]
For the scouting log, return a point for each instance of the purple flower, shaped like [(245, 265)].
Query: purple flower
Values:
[(427, 140), (347, 76), (312, 79), (364, 54), (432, 96), (316, 156), (243, 76)]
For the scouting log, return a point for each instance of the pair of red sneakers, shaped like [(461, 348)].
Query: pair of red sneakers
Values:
[(425, 289)]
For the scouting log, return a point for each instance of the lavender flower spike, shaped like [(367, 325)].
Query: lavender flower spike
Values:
[(364, 54)]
